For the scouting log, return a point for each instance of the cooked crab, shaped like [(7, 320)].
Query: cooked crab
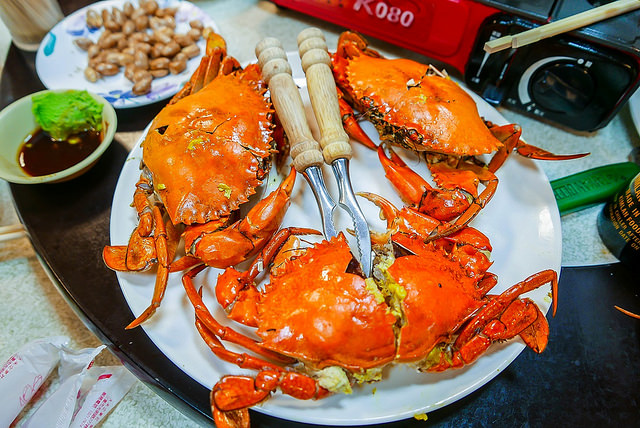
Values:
[(204, 155)]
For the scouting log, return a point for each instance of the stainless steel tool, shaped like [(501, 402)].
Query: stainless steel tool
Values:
[(305, 150), (336, 148)]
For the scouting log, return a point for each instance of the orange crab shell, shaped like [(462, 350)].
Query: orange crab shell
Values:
[(333, 320), (436, 107), (430, 278), (208, 151)]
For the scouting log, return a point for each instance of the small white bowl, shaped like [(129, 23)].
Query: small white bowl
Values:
[(17, 122)]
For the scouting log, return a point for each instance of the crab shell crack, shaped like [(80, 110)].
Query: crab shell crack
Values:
[(209, 151)]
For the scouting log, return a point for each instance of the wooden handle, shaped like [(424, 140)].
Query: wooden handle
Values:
[(562, 26), (323, 93), (286, 99)]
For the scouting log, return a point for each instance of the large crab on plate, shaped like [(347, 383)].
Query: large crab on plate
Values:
[(418, 107), (427, 304), (204, 155)]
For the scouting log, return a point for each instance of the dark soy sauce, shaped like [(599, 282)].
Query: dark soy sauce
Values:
[(42, 155)]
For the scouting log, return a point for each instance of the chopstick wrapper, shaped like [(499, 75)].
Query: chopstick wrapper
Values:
[(85, 393), (24, 372)]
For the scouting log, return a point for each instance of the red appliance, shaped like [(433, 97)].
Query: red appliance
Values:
[(424, 26), (577, 80)]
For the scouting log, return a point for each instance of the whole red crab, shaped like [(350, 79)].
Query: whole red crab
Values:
[(420, 108), (427, 304), (204, 155)]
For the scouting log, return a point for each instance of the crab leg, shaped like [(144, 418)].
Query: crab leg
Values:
[(140, 253), (166, 240), (242, 360), (509, 135), (222, 332), (351, 126), (504, 317)]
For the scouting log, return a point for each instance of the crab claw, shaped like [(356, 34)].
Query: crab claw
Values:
[(232, 395), (165, 240), (236, 291), (456, 199), (404, 221), (504, 317), (238, 392), (416, 192), (209, 68), (231, 418), (221, 248)]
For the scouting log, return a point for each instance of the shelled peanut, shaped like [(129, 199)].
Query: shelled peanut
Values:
[(141, 41)]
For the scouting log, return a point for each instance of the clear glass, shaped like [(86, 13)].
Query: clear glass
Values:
[(29, 21)]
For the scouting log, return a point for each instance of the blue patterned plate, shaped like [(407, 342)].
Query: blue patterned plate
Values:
[(60, 63)]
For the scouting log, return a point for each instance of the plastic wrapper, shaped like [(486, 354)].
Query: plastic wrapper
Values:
[(84, 396), (24, 372)]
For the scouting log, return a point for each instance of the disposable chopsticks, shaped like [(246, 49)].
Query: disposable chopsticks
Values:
[(13, 231), (562, 26)]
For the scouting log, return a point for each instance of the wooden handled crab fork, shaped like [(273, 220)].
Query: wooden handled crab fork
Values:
[(305, 151), (336, 148)]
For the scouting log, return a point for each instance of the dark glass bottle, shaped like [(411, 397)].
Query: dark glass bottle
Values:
[(619, 223)]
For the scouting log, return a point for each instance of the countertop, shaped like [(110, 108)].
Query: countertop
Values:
[(31, 307)]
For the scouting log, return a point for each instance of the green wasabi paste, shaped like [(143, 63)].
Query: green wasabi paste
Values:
[(61, 114)]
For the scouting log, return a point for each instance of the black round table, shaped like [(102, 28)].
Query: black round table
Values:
[(589, 374)]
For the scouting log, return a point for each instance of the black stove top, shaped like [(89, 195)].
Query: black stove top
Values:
[(622, 31), (537, 10)]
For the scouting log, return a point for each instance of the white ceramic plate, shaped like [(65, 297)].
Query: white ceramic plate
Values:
[(60, 63), (522, 222)]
